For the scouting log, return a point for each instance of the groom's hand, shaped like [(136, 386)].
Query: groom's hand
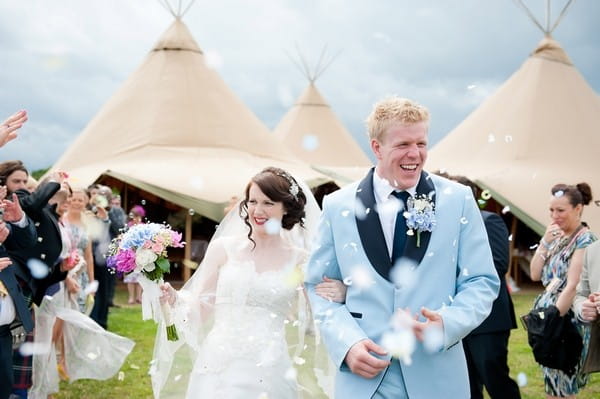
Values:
[(362, 362), (433, 320)]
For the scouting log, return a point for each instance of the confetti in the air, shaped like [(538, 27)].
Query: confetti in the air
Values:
[(38, 269), (522, 379), (273, 226), (310, 142), (505, 210)]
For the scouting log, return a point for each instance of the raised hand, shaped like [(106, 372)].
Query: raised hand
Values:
[(12, 209), (361, 362), (4, 232), (4, 263), (8, 129)]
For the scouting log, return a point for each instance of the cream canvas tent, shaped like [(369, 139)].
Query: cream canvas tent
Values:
[(314, 134), (176, 130), (541, 127)]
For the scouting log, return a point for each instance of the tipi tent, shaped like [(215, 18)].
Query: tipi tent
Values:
[(176, 130), (541, 127), (315, 135)]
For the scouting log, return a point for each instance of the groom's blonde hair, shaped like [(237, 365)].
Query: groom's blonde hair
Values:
[(392, 110)]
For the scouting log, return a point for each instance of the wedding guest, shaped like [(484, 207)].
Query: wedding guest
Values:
[(136, 216), (238, 303), (76, 224), (39, 267), (10, 126), (16, 233), (370, 227), (558, 262), (587, 303), (486, 347), (112, 223)]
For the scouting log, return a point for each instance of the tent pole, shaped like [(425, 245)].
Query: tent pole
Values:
[(188, 247), (513, 270), (547, 16), (125, 198)]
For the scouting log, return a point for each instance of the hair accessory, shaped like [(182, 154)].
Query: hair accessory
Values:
[(294, 188)]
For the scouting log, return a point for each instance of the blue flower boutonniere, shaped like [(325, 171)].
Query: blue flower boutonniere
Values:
[(420, 215)]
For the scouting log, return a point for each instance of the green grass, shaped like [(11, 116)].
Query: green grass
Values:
[(127, 321)]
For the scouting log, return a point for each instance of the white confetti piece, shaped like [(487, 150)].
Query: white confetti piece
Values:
[(310, 142), (491, 138), (121, 376), (298, 360), (522, 379), (505, 210), (37, 268), (273, 226), (464, 220)]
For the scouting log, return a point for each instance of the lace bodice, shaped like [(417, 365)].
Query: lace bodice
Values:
[(250, 313)]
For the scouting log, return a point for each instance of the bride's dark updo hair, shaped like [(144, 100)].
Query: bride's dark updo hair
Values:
[(279, 186)]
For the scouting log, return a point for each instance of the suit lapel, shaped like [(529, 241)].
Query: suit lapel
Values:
[(369, 228), (411, 251)]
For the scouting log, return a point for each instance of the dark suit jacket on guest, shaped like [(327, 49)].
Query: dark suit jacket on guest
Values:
[(502, 317), (49, 240), (21, 239)]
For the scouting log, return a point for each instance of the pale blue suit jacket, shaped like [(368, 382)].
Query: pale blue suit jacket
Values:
[(455, 275)]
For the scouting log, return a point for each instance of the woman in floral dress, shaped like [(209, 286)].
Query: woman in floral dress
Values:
[(558, 262)]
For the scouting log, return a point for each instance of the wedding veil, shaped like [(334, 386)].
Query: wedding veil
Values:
[(173, 360)]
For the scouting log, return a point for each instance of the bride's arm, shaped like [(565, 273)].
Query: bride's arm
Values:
[(332, 290), (202, 285)]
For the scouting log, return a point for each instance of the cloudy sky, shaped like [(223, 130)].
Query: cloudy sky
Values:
[(61, 60)]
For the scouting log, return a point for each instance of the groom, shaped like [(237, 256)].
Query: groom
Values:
[(450, 286)]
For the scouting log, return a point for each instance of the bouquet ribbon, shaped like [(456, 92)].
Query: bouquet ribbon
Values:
[(150, 299)]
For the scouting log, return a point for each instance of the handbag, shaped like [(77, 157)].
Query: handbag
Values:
[(554, 339)]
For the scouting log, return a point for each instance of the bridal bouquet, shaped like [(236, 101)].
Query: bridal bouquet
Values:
[(143, 249)]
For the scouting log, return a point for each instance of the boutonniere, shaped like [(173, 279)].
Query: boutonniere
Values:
[(420, 215)]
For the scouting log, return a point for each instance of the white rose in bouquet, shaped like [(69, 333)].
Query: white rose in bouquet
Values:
[(144, 259)]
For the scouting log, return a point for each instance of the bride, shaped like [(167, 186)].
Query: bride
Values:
[(243, 320)]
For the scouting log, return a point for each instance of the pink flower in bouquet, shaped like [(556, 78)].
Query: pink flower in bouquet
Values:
[(125, 261), (157, 247), (176, 239), (147, 244)]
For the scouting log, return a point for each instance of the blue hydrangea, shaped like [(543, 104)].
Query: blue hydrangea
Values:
[(137, 235)]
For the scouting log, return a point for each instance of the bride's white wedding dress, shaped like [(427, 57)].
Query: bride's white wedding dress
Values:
[(244, 324), (245, 332), (245, 355)]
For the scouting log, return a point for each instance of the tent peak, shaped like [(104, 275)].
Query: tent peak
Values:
[(177, 37), (178, 11), (550, 49), (320, 67)]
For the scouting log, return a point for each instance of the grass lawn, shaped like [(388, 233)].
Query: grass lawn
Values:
[(134, 381)]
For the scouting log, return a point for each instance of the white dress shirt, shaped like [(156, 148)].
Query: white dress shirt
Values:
[(7, 310), (387, 207), (7, 306)]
